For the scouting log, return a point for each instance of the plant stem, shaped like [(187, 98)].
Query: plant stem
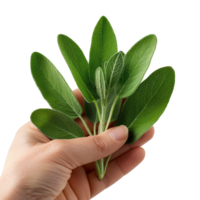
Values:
[(88, 130), (111, 112), (97, 107), (106, 164), (107, 124), (101, 129), (99, 165)]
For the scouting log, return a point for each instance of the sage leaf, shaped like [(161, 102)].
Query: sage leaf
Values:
[(103, 46), (78, 65), (100, 83), (114, 70), (53, 86), (56, 125), (142, 109), (137, 61)]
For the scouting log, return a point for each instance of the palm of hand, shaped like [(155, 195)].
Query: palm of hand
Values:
[(60, 180)]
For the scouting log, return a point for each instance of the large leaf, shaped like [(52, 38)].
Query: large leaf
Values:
[(137, 61), (55, 124), (142, 109), (78, 66), (53, 86), (103, 46)]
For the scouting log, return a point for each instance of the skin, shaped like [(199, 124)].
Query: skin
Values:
[(39, 168)]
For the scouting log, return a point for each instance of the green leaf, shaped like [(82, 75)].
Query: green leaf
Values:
[(104, 68), (55, 124), (103, 46), (100, 83), (123, 54), (78, 66), (137, 61), (53, 86), (114, 69), (142, 109)]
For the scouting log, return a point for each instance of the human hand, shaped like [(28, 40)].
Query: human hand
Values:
[(39, 168)]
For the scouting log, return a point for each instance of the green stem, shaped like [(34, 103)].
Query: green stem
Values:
[(106, 164), (102, 128), (111, 112), (102, 168), (99, 115), (88, 130)]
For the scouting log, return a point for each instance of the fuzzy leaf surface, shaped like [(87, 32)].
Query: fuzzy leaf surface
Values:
[(100, 83), (78, 65), (137, 61), (53, 86), (113, 69)]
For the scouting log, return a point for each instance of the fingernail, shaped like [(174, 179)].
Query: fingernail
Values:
[(119, 133)]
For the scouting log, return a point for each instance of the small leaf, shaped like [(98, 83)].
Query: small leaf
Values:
[(53, 86), (100, 83), (104, 45), (78, 65), (137, 61), (55, 124), (114, 69), (142, 109)]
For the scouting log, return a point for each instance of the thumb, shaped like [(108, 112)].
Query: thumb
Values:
[(80, 151)]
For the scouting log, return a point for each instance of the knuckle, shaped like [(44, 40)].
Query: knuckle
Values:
[(55, 146), (100, 144)]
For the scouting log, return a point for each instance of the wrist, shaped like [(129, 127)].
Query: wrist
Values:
[(8, 190)]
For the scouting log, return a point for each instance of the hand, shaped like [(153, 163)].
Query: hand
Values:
[(39, 168)]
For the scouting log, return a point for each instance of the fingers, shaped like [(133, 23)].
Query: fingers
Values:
[(144, 139), (116, 170), (93, 148)]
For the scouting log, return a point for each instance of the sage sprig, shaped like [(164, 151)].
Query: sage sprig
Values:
[(108, 77)]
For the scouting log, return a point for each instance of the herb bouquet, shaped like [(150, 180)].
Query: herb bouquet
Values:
[(108, 78)]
